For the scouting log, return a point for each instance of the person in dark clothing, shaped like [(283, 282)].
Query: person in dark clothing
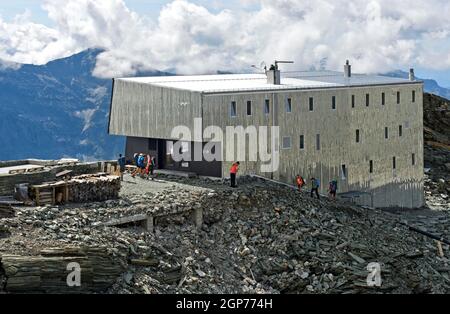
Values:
[(121, 161), (233, 173), (315, 184)]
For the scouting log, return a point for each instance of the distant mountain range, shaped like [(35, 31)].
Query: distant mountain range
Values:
[(56, 110), (60, 110)]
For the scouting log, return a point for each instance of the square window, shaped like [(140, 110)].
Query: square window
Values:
[(287, 143), (233, 109)]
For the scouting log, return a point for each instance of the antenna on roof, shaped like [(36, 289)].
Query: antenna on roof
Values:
[(262, 67), (285, 62)]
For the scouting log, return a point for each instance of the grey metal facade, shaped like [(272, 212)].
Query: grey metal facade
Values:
[(148, 111)]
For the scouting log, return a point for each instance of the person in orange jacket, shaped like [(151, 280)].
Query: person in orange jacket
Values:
[(233, 172), (300, 182)]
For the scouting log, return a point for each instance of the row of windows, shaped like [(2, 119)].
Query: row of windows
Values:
[(371, 165), (288, 103), (386, 133), (287, 141)]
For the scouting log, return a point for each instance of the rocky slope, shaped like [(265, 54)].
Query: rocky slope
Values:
[(260, 238), (437, 150)]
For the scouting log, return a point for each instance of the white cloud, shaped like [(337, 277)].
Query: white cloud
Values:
[(377, 35)]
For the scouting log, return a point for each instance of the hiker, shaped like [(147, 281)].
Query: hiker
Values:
[(140, 164), (233, 172), (315, 185), (121, 161), (149, 167), (300, 182), (332, 189), (135, 159), (152, 167)]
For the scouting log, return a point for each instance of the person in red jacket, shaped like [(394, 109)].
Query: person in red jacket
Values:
[(233, 172), (300, 182)]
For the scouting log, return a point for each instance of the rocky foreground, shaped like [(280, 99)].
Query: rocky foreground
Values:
[(260, 238)]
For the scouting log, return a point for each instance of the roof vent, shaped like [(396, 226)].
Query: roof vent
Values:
[(412, 76), (347, 69), (274, 74)]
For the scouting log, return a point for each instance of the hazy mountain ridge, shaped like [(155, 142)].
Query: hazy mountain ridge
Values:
[(56, 110), (430, 85)]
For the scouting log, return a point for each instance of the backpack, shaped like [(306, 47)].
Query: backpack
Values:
[(317, 183), (141, 160), (334, 185)]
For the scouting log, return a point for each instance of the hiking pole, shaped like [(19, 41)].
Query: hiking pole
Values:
[(425, 233)]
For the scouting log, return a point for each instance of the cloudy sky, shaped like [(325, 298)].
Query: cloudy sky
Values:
[(200, 36)]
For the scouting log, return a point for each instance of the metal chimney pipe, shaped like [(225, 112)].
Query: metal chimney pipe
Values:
[(347, 70), (412, 76)]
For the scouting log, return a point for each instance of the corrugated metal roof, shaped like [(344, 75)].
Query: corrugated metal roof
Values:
[(257, 82)]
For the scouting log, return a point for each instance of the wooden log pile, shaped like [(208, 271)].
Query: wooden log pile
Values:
[(6, 211), (48, 272), (94, 188)]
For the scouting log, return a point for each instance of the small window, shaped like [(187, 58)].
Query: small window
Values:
[(311, 104), (353, 101), (344, 172), (233, 109), (249, 108), (413, 96), (357, 136), (288, 105), (394, 163), (413, 159), (267, 106), (287, 142), (398, 98), (400, 131), (386, 133), (302, 142), (318, 142), (371, 166), (383, 99), (333, 103), (367, 100)]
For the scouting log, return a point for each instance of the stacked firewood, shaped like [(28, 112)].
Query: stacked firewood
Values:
[(94, 188), (6, 211), (51, 271)]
